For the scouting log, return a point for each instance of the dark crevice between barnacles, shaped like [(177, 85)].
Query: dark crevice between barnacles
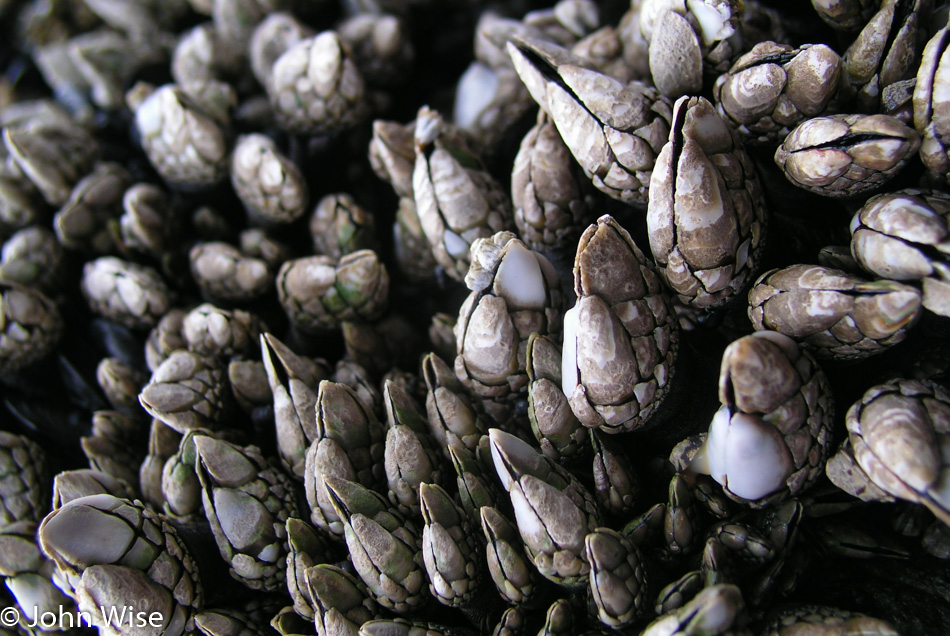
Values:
[(509, 467), (557, 545), (546, 69), (932, 252), (855, 293), (321, 416), (903, 10), (932, 75), (729, 392), (549, 72), (846, 142), (870, 550), (283, 378), (216, 581), (338, 503), (780, 59)]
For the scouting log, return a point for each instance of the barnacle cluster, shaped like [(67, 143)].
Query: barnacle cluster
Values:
[(405, 317)]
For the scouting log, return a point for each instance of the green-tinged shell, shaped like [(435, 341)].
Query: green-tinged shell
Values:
[(23, 480), (73, 484), (247, 502), (715, 610), (227, 622), (341, 602), (452, 418), (30, 327), (510, 568), (108, 549), (449, 549), (409, 456), (293, 381), (384, 547), (188, 391), (618, 578), (318, 292), (307, 548)]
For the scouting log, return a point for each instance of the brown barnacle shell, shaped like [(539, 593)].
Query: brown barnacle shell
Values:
[(49, 150), (392, 154), (706, 216), (457, 200), (137, 19), (235, 20), (19, 207), (317, 292), (121, 384), (604, 49), (620, 338), (162, 574), (551, 197), (165, 338), (225, 274), (290, 384), (931, 118), (34, 258), (188, 391), (688, 39), (887, 50), (247, 501), (125, 292), (818, 619), (316, 88), (163, 442), (149, 222), (515, 292), (269, 184), (776, 399), (488, 103), (218, 99), (248, 380), (185, 143), (836, 314), (897, 431), (903, 236), (200, 56), (381, 46), (557, 430), (493, 32), (57, 64), (258, 243), (566, 20), (31, 326), (339, 225), (635, 47), (85, 221), (774, 86), (212, 331), (108, 61), (617, 149), (271, 38), (897, 100), (845, 15), (413, 254), (379, 346), (845, 155)]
